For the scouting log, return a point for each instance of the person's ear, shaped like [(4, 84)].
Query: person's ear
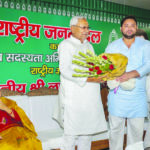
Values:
[(73, 29)]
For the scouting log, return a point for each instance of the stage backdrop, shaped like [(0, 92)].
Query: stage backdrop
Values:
[(29, 42)]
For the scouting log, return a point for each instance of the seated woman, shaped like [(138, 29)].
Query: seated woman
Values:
[(16, 130)]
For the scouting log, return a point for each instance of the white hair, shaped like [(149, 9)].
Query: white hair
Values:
[(74, 20)]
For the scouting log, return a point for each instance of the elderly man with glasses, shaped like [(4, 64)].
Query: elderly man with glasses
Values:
[(83, 112)]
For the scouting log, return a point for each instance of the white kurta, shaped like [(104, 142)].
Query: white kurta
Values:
[(148, 87), (83, 109)]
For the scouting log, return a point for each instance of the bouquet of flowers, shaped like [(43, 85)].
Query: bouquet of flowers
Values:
[(108, 66)]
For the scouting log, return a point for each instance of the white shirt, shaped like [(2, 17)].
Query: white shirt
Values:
[(83, 109), (148, 87), (131, 104)]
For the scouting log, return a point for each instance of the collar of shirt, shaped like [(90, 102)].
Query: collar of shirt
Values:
[(138, 41), (77, 40)]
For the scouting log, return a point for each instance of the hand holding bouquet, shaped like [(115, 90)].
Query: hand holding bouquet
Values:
[(127, 85), (108, 66)]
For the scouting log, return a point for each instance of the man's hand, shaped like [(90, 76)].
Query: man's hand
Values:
[(128, 75), (1, 138), (95, 79)]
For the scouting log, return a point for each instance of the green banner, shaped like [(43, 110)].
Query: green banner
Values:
[(29, 42)]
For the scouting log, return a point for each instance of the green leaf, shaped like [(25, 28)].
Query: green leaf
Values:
[(78, 57), (90, 53), (81, 63), (81, 71), (83, 55)]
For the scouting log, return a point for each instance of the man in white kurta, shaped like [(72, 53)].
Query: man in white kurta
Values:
[(83, 111), (123, 104)]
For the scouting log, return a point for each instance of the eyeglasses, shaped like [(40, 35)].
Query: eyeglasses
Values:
[(84, 27)]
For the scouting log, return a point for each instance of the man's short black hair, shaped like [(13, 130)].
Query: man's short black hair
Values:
[(128, 17)]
